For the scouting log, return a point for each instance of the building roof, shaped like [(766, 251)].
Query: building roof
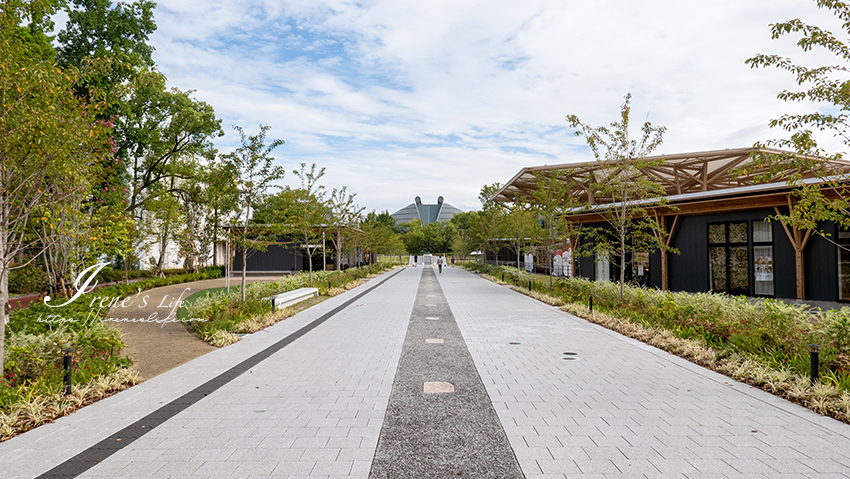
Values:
[(427, 213), (680, 174)]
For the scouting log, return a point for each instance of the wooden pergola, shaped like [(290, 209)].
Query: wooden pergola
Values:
[(695, 183)]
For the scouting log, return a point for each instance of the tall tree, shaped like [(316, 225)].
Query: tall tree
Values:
[(621, 184), (156, 127), (811, 204), (255, 174), (341, 215), (519, 224), (308, 216), (551, 201), (117, 34), (221, 198), (487, 227), (49, 145)]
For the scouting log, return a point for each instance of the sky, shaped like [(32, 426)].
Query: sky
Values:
[(398, 99)]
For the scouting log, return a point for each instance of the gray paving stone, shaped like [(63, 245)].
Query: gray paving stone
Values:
[(646, 404), (316, 408)]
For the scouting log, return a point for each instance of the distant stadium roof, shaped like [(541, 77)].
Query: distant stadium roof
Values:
[(427, 213)]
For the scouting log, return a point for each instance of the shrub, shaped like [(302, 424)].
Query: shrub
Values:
[(29, 279), (224, 312)]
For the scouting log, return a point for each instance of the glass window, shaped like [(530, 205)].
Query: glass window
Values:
[(737, 232), (603, 269), (843, 274), (843, 265), (762, 232), (763, 258), (717, 233), (763, 270), (729, 258)]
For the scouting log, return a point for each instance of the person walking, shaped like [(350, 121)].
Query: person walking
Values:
[(453, 261), (415, 260), (440, 263)]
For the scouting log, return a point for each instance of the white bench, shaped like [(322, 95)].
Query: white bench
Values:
[(289, 298)]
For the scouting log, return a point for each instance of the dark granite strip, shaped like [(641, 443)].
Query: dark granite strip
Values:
[(440, 435), (87, 459)]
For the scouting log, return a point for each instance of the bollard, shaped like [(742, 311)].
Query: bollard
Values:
[(329, 284), (529, 285), (69, 369), (591, 303), (814, 356)]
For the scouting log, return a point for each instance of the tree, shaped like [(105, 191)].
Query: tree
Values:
[(463, 242), (519, 223), (254, 174), (551, 201), (341, 216), (50, 144), (621, 184), (439, 236), (308, 214), (414, 237), (221, 197), (487, 227), (114, 33), (157, 127), (828, 199), (162, 220)]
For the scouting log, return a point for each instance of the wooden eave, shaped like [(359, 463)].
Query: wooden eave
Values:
[(679, 174), (777, 197)]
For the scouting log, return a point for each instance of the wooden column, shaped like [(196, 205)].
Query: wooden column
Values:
[(665, 275), (573, 261), (799, 240)]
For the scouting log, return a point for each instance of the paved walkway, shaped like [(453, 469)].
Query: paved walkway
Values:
[(156, 348), (315, 404)]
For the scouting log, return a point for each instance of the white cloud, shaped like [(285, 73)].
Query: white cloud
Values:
[(399, 99)]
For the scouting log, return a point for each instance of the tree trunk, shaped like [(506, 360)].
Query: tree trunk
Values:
[(801, 274), (310, 264), (622, 263), (338, 246), (244, 270), (4, 292)]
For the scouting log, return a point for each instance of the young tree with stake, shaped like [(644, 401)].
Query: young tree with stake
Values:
[(627, 192)]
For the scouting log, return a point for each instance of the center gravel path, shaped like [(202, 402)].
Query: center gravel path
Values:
[(452, 433), (292, 402)]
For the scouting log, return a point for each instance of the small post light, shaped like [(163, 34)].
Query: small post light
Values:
[(67, 361), (814, 356), (590, 302)]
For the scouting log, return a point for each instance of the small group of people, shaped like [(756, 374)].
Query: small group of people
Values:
[(440, 262)]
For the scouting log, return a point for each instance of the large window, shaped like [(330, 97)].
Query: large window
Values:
[(843, 265), (763, 258), (603, 269), (728, 258)]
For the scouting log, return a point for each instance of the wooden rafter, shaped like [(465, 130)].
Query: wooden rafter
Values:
[(680, 174)]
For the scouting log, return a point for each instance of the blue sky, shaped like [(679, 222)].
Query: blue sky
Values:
[(400, 99)]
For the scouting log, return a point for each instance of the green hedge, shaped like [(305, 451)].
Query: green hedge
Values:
[(33, 348), (84, 311), (224, 311)]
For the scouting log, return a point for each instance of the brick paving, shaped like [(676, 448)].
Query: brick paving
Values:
[(315, 408), (625, 409)]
